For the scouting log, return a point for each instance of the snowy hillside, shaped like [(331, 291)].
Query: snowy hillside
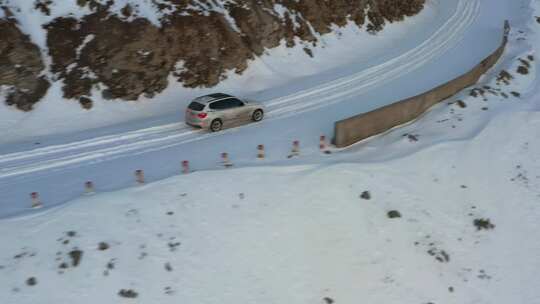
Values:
[(445, 209), (302, 234), (466, 232), (129, 49)]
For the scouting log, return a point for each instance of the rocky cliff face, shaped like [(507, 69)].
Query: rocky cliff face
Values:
[(20, 67), (124, 55)]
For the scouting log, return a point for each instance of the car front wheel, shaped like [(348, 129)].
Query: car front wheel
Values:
[(216, 125), (257, 115)]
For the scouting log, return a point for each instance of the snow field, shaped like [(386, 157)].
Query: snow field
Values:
[(300, 230), (302, 233)]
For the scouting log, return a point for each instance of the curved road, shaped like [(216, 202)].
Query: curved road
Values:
[(21, 171)]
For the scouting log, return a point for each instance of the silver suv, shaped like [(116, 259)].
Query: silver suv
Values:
[(219, 110)]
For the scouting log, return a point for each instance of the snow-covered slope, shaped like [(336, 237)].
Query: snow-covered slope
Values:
[(465, 179), (300, 110), (346, 52), (303, 233)]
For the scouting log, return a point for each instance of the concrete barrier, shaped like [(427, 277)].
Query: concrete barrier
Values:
[(359, 127)]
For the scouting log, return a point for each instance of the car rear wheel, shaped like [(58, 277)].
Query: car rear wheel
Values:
[(257, 115), (216, 125)]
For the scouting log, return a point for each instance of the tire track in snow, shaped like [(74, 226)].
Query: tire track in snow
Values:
[(146, 140)]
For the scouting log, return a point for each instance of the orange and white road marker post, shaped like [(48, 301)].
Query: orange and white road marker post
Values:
[(36, 203), (139, 176), (225, 160), (322, 143), (260, 151), (185, 167), (295, 148), (89, 187)]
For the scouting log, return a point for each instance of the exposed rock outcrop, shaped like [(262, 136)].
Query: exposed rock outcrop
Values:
[(20, 67), (125, 56)]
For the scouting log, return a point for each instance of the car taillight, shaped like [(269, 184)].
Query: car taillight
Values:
[(202, 115)]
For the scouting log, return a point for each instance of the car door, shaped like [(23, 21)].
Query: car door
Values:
[(223, 110), (242, 112)]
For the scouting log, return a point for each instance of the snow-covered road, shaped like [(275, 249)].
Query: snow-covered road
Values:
[(165, 136), (109, 160)]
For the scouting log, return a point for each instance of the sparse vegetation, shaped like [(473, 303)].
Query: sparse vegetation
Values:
[(76, 256), (31, 281), (85, 102), (504, 77), (103, 246), (128, 293), (328, 300), (439, 255), (365, 195), (43, 6), (483, 224), (524, 63), (476, 92), (523, 70), (393, 214), (308, 52)]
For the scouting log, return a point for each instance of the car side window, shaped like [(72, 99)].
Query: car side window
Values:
[(228, 103), (218, 105), (235, 103)]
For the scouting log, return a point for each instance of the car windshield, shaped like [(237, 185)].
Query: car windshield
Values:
[(196, 106)]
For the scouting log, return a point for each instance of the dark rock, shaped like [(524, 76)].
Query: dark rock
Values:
[(43, 6), (412, 137), (365, 195), (309, 52), (439, 255), (128, 293), (173, 245), (127, 11), (20, 67), (134, 58), (523, 70), (103, 246), (504, 77), (110, 265), (76, 256), (393, 214), (485, 224), (32, 281), (86, 103)]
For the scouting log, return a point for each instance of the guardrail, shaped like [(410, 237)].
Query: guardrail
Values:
[(362, 126)]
